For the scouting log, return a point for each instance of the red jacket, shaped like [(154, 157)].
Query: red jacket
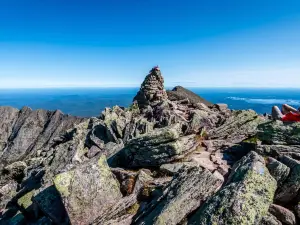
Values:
[(291, 117)]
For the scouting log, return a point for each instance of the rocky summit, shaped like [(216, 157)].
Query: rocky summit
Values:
[(171, 158)]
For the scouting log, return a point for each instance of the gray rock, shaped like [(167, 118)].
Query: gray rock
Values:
[(67, 153), (282, 214), (14, 171), (137, 126), (156, 148), (202, 119), (201, 158), (115, 120), (127, 180), (279, 133), (269, 219), (143, 179), (246, 197), (279, 150), (8, 117), (222, 107), (289, 190), (278, 170), (27, 131), (120, 213), (173, 168), (93, 151), (157, 136), (124, 210), (88, 191), (7, 191), (50, 203), (186, 192), (238, 127)]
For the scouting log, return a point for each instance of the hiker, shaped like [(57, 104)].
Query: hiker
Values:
[(288, 113), (156, 68)]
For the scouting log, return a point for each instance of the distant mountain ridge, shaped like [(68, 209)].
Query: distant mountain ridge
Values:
[(181, 93)]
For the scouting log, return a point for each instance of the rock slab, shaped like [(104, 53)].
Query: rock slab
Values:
[(246, 197), (87, 191)]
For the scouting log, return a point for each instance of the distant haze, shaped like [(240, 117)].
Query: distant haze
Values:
[(196, 43)]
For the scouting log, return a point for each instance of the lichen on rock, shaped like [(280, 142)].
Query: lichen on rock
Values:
[(88, 190), (246, 197)]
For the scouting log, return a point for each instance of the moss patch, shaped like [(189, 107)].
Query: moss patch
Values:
[(133, 209), (63, 181), (25, 200), (252, 140)]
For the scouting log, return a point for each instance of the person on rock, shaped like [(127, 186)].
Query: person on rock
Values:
[(287, 114), (156, 68)]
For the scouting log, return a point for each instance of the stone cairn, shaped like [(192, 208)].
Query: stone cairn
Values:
[(152, 90)]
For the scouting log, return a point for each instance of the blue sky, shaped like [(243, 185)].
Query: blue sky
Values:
[(217, 43)]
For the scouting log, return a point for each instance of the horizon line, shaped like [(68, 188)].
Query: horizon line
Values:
[(167, 87)]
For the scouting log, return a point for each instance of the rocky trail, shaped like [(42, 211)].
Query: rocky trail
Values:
[(170, 158)]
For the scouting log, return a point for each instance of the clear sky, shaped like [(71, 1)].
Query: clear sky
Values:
[(212, 43)]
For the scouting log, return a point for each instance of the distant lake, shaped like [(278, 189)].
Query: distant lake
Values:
[(91, 101)]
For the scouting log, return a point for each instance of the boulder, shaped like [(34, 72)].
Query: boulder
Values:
[(174, 168), (161, 146), (14, 171), (246, 197), (120, 213), (292, 151), (186, 192), (88, 190), (70, 151), (278, 170), (282, 214), (269, 219), (279, 133), (124, 210), (49, 202), (202, 119), (7, 192), (115, 120), (201, 158), (239, 126), (289, 190)]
